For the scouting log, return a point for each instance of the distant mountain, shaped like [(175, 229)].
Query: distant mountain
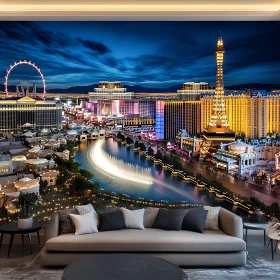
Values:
[(135, 88), (138, 88), (267, 87)]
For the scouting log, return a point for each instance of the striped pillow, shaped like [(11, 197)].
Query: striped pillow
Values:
[(212, 220), (84, 209)]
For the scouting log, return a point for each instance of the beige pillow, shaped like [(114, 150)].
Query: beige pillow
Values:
[(150, 216), (212, 220), (83, 209), (84, 224), (133, 218)]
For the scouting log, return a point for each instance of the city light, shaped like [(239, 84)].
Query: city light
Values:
[(27, 63)]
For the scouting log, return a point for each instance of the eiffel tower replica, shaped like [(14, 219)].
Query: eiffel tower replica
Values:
[(218, 130)]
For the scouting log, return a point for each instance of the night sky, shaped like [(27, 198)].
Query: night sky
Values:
[(151, 54)]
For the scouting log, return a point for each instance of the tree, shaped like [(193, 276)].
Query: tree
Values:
[(87, 174), (150, 151), (80, 184), (120, 136), (158, 155), (177, 164), (136, 144), (70, 146), (166, 159), (142, 147), (60, 180), (129, 140), (198, 177)]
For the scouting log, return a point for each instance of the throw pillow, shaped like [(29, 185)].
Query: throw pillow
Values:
[(195, 220), (212, 220), (134, 218), (170, 219), (112, 220), (150, 216), (84, 224), (83, 209), (65, 222)]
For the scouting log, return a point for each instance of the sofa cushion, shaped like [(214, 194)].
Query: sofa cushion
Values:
[(150, 216), (133, 218), (84, 224), (112, 220), (195, 220), (212, 220), (65, 222), (170, 219), (149, 240), (84, 209)]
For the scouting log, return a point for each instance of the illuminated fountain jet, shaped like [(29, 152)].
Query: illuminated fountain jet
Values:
[(118, 168)]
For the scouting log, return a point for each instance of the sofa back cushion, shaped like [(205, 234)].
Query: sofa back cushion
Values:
[(84, 224), (84, 209), (65, 222), (170, 219), (212, 220), (133, 218), (113, 220), (195, 220), (150, 216)]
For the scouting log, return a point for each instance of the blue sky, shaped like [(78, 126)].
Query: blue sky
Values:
[(151, 54)]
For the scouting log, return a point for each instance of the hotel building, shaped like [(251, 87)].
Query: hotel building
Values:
[(109, 91), (172, 116), (182, 114), (29, 113), (254, 113), (192, 91), (141, 107)]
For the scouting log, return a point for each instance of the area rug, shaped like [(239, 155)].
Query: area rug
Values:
[(255, 269)]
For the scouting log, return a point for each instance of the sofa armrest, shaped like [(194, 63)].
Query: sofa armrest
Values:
[(52, 228), (230, 223)]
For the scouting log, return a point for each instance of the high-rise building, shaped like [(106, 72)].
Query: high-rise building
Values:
[(238, 109), (29, 113), (110, 91), (141, 107), (253, 114), (173, 116), (218, 129), (192, 91)]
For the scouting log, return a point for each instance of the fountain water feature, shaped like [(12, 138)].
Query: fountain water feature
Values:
[(119, 168)]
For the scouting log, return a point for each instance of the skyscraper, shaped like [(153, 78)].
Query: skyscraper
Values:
[(218, 129)]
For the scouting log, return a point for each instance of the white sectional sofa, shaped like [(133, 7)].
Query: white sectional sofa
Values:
[(224, 247)]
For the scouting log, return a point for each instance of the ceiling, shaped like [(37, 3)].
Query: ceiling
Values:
[(140, 10)]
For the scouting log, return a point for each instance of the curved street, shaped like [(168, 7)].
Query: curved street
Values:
[(235, 185)]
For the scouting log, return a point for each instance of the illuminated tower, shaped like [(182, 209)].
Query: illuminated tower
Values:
[(219, 116), (218, 129)]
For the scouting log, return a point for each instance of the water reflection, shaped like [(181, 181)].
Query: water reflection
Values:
[(165, 186)]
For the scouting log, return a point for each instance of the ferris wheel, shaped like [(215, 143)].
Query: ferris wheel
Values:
[(27, 63)]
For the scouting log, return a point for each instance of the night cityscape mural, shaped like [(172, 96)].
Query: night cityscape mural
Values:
[(113, 128)]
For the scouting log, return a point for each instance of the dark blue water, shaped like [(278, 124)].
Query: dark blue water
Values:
[(166, 186)]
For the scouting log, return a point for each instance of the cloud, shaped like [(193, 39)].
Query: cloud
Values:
[(94, 46), (140, 53), (32, 33)]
